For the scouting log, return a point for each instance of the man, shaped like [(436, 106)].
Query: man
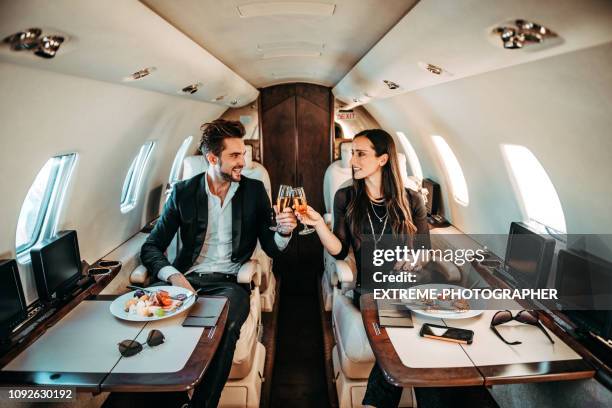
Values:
[(220, 215)]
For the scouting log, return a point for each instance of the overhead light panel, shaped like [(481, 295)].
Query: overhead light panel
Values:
[(24, 40), (290, 49), (48, 46), (265, 9), (31, 40), (518, 33)]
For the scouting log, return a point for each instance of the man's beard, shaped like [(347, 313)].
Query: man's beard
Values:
[(229, 176)]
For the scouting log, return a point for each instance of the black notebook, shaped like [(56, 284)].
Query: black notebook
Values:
[(205, 312), (393, 314)]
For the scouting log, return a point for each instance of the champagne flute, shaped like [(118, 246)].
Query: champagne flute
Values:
[(301, 206), (283, 200)]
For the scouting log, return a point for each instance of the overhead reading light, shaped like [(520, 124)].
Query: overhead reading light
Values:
[(234, 102), (140, 74), (191, 89), (518, 33), (24, 40), (48, 46), (30, 40), (285, 8), (356, 100), (391, 85)]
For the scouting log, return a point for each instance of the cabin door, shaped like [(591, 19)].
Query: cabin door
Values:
[(296, 126)]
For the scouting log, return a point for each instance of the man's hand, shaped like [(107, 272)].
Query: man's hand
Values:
[(178, 279), (285, 220)]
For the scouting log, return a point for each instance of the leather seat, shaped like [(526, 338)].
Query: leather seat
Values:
[(337, 175), (256, 171)]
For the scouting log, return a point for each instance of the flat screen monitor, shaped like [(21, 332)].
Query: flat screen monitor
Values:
[(12, 300), (528, 256), (584, 285), (57, 265)]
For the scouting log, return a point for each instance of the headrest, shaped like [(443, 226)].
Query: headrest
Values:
[(248, 157), (194, 165), (346, 153)]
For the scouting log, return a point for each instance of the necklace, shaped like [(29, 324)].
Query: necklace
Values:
[(377, 240), (380, 219)]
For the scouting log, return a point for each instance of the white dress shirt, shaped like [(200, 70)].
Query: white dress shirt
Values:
[(216, 253)]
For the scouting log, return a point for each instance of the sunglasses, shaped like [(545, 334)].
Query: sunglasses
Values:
[(129, 348), (524, 316)]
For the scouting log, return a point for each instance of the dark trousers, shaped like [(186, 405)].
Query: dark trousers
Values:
[(208, 391)]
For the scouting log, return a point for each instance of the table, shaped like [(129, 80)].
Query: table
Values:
[(487, 361), (80, 351)]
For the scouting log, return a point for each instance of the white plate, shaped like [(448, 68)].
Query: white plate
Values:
[(117, 308), (476, 305)]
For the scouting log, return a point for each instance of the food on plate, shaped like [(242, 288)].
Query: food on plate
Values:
[(152, 303)]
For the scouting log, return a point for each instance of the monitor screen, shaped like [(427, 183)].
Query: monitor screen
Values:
[(57, 264), (584, 284), (528, 256), (12, 302)]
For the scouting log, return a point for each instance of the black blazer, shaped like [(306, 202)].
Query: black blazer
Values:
[(187, 209)]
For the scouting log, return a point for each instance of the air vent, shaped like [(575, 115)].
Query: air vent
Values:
[(140, 74), (391, 85), (518, 33), (234, 102), (434, 69), (219, 98), (265, 9), (191, 89)]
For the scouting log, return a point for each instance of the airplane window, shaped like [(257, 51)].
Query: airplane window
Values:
[(539, 196), (133, 179), (413, 159), (178, 160), (40, 211), (453, 170)]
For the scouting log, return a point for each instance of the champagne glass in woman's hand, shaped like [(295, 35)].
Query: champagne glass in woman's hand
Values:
[(301, 207)]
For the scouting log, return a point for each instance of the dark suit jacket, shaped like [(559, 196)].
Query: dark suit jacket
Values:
[(187, 210)]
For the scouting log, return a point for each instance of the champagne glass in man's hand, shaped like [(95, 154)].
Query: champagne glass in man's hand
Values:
[(283, 200)]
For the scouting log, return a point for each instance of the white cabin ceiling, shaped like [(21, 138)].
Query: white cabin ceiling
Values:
[(455, 35), (110, 40), (302, 43)]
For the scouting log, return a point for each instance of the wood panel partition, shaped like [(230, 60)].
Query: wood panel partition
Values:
[(296, 137)]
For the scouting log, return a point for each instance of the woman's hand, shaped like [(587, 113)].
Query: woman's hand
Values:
[(311, 218)]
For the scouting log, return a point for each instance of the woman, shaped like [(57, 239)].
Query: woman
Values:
[(376, 205)]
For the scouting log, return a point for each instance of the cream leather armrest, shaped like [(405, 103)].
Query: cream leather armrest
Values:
[(139, 275), (449, 270), (327, 217), (345, 271), (250, 272)]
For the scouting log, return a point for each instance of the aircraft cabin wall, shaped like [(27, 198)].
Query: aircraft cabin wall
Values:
[(557, 107), (105, 124)]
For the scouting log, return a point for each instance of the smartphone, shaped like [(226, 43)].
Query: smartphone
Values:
[(454, 334)]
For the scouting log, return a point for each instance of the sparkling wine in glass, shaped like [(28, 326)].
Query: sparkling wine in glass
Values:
[(300, 205), (283, 200)]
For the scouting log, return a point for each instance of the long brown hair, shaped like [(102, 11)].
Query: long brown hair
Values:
[(396, 199)]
